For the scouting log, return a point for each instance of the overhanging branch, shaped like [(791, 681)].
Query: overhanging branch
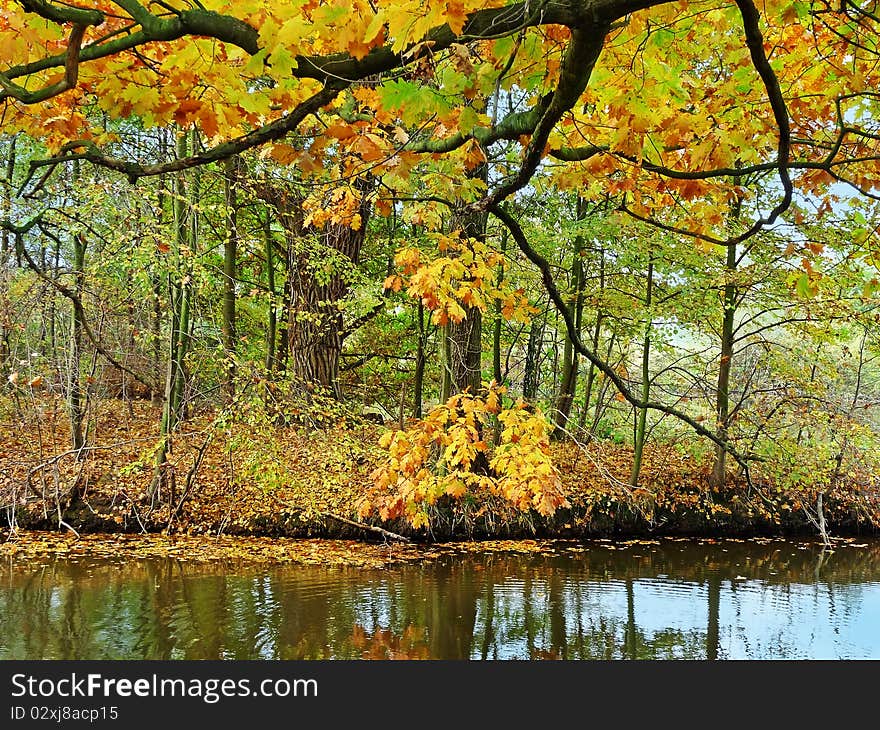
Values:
[(574, 76), (85, 150), (71, 73)]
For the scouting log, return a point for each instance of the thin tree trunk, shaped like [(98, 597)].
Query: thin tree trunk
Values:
[(497, 375), (179, 288), (568, 385), (156, 395), (44, 300), (813, 370), (533, 353), (567, 388), (421, 359), (630, 635), (282, 348), (599, 411), (712, 628), (446, 383), (5, 249), (272, 324), (75, 396), (187, 227), (722, 391), (642, 413), (597, 332), (126, 386), (53, 336), (184, 333), (725, 366), (591, 374), (230, 272)]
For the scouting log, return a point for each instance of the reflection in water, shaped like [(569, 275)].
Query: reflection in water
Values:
[(668, 600)]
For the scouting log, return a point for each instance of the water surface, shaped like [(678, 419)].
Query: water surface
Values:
[(673, 599)]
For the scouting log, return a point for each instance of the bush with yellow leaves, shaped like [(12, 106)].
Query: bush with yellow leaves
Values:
[(447, 454)]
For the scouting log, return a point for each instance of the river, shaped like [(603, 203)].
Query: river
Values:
[(602, 600)]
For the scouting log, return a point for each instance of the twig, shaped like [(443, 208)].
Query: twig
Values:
[(62, 523), (370, 528), (190, 480)]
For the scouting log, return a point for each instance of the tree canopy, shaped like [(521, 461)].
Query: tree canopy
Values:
[(674, 103)]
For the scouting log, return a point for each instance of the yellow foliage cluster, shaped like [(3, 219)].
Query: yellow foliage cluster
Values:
[(447, 454), (340, 207), (467, 276)]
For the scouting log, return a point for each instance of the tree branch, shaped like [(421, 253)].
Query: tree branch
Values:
[(574, 76), (550, 285), (71, 73), (369, 528), (134, 170), (69, 294)]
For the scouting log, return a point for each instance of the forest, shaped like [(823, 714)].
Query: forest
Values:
[(420, 270)]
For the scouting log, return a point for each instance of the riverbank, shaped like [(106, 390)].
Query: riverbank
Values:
[(39, 545), (35, 546), (239, 479)]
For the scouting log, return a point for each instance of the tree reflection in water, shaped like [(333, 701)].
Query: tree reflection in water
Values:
[(667, 600)]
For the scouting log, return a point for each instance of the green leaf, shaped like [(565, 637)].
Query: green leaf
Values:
[(804, 287), (412, 102)]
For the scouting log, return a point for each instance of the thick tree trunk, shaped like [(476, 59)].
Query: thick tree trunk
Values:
[(315, 320), (464, 343), (464, 369), (310, 325)]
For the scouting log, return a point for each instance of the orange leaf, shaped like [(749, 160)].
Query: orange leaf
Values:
[(340, 131)]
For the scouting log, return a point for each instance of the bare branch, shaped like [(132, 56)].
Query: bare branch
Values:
[(72, 296), (609, 372)]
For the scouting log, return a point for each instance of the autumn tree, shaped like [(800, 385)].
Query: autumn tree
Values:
[(675, 112)]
